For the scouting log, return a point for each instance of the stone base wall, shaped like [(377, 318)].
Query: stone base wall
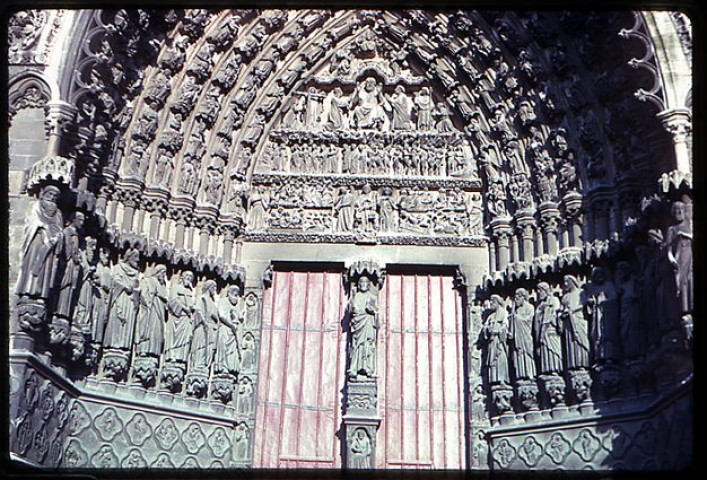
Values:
[(657, 435)]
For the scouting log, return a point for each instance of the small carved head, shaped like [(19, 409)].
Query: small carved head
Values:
[(78, 219), (187, 278), (543, 290), (569, 283), (521, 297), (132, 257), (496, 302), (363, 283), (209, 286), (233, 292), (598, 275), (678, 211)]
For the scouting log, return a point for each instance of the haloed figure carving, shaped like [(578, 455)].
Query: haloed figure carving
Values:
[(364, 330)]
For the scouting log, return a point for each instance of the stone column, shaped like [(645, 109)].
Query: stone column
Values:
[(364, 279), (550, 215), (677, 122)]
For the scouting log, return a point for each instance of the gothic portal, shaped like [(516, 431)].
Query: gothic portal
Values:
[(360, 239)]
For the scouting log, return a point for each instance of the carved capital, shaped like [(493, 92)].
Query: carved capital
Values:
[(678, 122), (501, 396)]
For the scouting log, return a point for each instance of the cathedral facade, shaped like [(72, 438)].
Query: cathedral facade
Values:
[(362, 239)]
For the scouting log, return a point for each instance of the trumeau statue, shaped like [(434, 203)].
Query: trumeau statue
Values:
[(521, 333), (124, 302), (150, 330), (179, 325), (363, 309), (39, 251), (602, 307), (548, 330), (574, 324), (231, 311), (496, 334)]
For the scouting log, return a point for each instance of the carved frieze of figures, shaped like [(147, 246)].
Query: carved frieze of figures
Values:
[(318, 207)]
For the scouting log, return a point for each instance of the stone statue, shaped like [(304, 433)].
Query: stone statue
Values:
[(84, 313), (633, 334), (521, 332), (149, 335), (258, 211), (548, 330), (104, 285), (230, 313), (334, 105), (678, 243), (205, 327), (163, 168), (365, 214), (313, 110), (69, 267), (360, 449), (245, 396), (495, 332), (39, 256), (179, 325), (363, 310), (124, 302), (402, 109), (344, 209), (424, 103), (241, 440), (574, 324), (386, 209), (601, 305), (247, 351), (368, 106)]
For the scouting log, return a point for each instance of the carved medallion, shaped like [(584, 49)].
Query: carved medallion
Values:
[(557, 448), (530, 451), (193, 438), (586, 445), (108, 424), (219, 442), (162, 461), (105, 457), (138, 429), (504, 454), (79, 419), (134, 459), (74, 455), (166, 434)]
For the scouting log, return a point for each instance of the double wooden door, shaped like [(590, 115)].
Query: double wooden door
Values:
[(302, 369)]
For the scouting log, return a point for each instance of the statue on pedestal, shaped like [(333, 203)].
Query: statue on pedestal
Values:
[(363, 309)]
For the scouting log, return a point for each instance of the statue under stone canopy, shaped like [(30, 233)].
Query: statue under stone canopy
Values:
[(179, 325), (602, 305), (548, 330), (521, 333), (124, 302), (495, 332), (574, 324), (39, 251), (363, 309)]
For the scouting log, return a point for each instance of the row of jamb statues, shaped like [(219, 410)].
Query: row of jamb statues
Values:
[(106, 317), (597, 326)]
